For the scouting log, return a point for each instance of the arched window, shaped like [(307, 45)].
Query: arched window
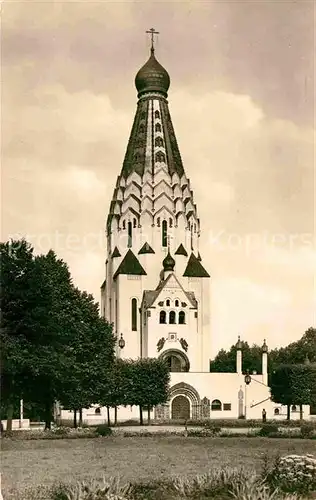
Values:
[(276, 411), (124, 224), (170, 222), (136, 157), (158, 127), (168, 303), (160, 156), (293, 408), (176, 361), (195, 228), (134, 222), (157, 114), (172, 318), (134, 315), (164, 233), (129, 238), (181, 318), (176, 303), (97, 411), (189, 226), (216, 405), (158, 222), (163, 317), (158, 142)]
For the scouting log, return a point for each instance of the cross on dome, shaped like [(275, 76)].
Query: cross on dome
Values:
[(152, 77), (152, 32)]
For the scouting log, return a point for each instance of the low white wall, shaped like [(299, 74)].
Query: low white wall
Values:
[(17, 424), (89, 416)]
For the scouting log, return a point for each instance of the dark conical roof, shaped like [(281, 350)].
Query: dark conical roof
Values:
[(130, 265), (181, 251), (116, 253), (195, 269), (168, 263), (146, 248), (152, 77)]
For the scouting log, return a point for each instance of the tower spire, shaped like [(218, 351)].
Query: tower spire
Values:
[(152, 32)]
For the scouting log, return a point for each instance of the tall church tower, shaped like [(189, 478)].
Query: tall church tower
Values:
[(156, 290)]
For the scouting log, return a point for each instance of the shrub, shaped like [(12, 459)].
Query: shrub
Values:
[(60, 431), (228, 422), (103, 430), (293, 473), (228, 434), (129, 423), (307, 430), (212, 426), (57, 433), (199, 433), (269, 430), (65, 423), (8, 434), (209, 429)]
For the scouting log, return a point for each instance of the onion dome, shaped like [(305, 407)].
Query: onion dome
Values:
[(152, 77), (168, 263), (239, 344), (264, 347)]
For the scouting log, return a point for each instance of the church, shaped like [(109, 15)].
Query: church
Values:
[(156, 291)]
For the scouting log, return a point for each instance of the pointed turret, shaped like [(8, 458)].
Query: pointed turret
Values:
[(153, 223), (152, 189)]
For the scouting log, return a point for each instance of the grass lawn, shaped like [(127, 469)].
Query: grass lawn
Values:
[(35, 462)]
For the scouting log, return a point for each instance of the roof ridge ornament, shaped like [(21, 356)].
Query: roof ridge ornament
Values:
[(152, 32)]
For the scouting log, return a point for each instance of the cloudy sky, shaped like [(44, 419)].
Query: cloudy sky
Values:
[(241, 100)]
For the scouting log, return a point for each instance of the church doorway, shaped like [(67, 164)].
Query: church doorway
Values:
[(180, 408)]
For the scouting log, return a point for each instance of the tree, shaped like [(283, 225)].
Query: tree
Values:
[(54, 344), (117, 389), (149, 384), (293, 384), (295, 353), (225, 361), (51, 336), (90, 355), (24, 297)]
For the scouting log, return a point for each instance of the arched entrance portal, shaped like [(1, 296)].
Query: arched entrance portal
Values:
[(189, 393), (180, 408)]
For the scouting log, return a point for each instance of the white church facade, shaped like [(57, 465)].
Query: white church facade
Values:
[(156, 290)]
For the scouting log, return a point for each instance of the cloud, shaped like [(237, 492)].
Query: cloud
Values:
[(242, 123), (268, 163)]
